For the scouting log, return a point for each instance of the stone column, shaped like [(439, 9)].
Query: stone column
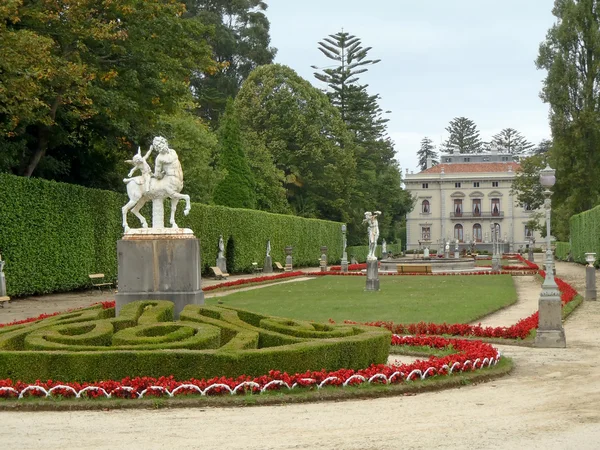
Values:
[(288, 258), (158, 213), (323, 261), (372, 275), (268, 267), (590, 283)]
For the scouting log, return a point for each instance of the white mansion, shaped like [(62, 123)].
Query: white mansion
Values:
[(464, 198)]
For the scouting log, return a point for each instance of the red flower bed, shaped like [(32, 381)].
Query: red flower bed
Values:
[(241, 281), (469, 355), (350, 267), (482, 272)]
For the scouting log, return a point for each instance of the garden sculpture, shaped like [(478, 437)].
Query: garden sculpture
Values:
[(373, 232), (269, 247), (221, 247), (166, 182)]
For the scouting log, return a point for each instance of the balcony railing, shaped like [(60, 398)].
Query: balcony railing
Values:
[(481, 215)]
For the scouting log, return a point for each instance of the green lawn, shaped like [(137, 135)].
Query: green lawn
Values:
[(404, 299)]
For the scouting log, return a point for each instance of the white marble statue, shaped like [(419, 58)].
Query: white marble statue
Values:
[(166, 182), (268, 247), (373, 232), (383, 246), (221, 247)]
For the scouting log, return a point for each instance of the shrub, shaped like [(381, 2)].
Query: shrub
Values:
[(208, 342)]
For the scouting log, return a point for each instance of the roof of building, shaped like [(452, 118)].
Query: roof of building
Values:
[(474, 167)]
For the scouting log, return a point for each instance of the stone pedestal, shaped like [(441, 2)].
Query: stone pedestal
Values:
[(268, 267), (550, 332), (2, 285), (590, 283), (372, 275), (456, 255), (159, 267), (384, 255), (222, 264), (288, 263), (344, 265)]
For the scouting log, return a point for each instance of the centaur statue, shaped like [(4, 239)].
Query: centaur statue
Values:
[(166, 182)]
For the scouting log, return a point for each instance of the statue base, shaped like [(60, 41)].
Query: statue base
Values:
[(2, 285), (372, 275), (222, 264), (153, 267), (268, 267), (147, 233)]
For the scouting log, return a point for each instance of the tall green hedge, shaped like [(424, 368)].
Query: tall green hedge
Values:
[(562, 250), (53, 235), (585, 234)]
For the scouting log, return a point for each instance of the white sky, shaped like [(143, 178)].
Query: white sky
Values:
[(440, 59)]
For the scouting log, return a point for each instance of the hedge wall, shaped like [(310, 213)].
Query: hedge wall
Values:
[(209, 342), (53, 235), (562, 250), (585, 234), (360, 252)]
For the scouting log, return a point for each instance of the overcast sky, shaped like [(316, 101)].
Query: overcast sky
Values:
[(440, 59)]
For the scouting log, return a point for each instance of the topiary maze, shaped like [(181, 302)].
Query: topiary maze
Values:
[(92, 344)]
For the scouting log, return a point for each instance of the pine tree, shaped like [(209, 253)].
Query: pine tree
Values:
[(511, 141), (543, 147), (236, 189), (464, 137), (427, 150)]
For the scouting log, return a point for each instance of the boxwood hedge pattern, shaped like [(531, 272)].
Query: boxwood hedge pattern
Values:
[(53, 235), (92, 345)]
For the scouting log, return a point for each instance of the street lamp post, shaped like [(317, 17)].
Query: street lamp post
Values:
[(550, 332)]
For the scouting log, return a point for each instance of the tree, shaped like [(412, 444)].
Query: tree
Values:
[(237, 188), (464, 137), (240, 43), (526, 184), (296, 144), (426, 151), (511, 141), (543, 147), (571, 56), (347, 50), (102, 82)]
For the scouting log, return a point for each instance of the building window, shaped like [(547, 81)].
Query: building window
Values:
[(495, 228), (494, 184), (458, 232), (456, 185), (448, 159), (527, 207), (426, 233), (425, 207), (425, 185), (467, 159), (477, 207), (458, 207), (495, 207), (477, 235), (528, 233), (475, 183)]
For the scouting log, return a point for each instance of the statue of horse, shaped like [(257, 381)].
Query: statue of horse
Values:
[(166, 183)]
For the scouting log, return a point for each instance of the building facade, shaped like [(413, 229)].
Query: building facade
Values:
[(466, 198)]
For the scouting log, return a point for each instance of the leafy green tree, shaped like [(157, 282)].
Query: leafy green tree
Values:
[(296, 144), (511, 141), (463, 137), (102, 82), (571, 56), (526, 184), (427, 150), (237, 188), (240, 43)]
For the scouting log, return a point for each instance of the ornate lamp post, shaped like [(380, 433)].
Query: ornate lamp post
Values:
[(550, 332), (495, 248)]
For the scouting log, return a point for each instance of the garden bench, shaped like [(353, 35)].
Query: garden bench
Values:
[(97, 280), (218, 274), (4, 299), (255, 268), (278, 266), (413, 268)]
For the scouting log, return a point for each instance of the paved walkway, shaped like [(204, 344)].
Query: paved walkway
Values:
[(550, 401)]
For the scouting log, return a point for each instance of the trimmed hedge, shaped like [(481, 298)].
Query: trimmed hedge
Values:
[(360, 252), (209, 342), (563, 249), (585, 234), (53, 235)]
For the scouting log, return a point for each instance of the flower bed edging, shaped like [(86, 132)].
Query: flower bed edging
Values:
[(472, 355)]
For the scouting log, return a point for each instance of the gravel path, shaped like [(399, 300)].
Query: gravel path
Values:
[(551, 401)]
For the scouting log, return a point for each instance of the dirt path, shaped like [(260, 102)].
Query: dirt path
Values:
[(551, 401)]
